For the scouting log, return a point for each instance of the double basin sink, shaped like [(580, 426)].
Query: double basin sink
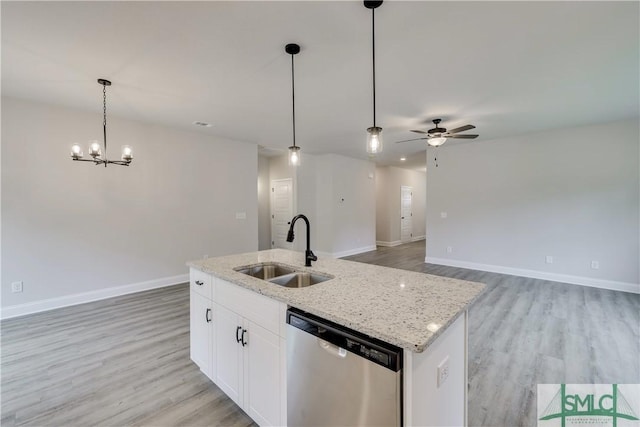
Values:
[(282, 275)]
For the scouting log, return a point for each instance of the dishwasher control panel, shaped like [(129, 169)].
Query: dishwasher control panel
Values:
[(355, 342)]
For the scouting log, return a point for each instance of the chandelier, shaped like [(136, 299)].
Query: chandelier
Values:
[(98, 156)]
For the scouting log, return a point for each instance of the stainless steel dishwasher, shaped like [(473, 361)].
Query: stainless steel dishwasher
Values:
[(340, 377)]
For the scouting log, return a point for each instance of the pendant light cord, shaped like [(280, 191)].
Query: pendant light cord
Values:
[(373, 48), (293, 101)]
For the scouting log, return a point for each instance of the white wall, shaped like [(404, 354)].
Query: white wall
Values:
[(345, 203), (264, 204), (389, 179), (71, 227), (338, 228), (569, 193)]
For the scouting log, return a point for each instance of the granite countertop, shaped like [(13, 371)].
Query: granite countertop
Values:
[(404, 308)]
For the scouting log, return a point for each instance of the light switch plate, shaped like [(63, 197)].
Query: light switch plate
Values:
[(16, 287)]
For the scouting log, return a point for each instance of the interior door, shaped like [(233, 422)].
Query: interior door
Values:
[(228, 353), (281, 212), (406, 223)]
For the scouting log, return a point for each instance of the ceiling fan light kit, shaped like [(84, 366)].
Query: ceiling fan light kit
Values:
[(374, 133), (294, 151), (436, 141), (99, 157)]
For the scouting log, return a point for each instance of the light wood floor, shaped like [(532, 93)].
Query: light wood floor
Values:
[(125, 361), (524, 332)]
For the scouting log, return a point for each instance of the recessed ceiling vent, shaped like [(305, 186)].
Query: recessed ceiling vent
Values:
[(202, 124)]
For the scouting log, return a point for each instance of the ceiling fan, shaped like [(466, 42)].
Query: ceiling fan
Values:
[(437, 136)]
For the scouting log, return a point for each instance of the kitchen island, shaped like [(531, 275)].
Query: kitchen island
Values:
[(238, 329)]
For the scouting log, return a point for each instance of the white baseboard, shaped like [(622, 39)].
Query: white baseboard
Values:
[(388, 244), (543, 275), (81, 298), (346, 253), (354, 251), (397, 242)]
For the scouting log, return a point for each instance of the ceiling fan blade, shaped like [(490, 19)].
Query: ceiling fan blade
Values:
[(462, 136), (420, 131), (461, 129), (407, 140)]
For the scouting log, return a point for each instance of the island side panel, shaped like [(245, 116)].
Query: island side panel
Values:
[(426, 403)]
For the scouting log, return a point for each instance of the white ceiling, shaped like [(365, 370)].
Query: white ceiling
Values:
[(507, 67)]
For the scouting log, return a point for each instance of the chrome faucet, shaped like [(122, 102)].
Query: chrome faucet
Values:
[(308, 254)]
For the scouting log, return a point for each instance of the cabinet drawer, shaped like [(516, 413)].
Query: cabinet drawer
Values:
[(261, 310), (201, 283)]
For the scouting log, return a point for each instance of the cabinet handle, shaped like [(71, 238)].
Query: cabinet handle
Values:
[(199, 283), (206, 315), (244, 343), (238, 329)]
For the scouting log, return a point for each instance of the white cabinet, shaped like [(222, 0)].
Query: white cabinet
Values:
[(228, 354), (262, 375), (201, 331), (238, 341), (249, 366)]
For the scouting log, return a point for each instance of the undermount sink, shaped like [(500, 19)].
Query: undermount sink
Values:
[(283, 276), (265, 271), (300, 279)]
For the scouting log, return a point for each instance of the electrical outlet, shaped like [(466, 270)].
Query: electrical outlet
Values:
[(449, 249), (549, 259), (16, 287), (205, 256), (443, 371), (241, 215), (595, 265), (443, 214)]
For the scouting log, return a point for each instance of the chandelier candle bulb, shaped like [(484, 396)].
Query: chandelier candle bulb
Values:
[(127, 153), (76, 151), (94, 149)]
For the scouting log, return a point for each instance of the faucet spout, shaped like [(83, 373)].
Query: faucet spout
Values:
[(308, 254)]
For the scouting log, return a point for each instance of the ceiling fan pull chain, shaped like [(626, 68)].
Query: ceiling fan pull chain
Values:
[(435, 157)]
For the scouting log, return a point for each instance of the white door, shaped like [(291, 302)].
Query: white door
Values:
[(262, 376), (406, 224), (229, 353), (200, 334), (281, 212)]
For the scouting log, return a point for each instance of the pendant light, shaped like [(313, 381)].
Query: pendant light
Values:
[(374, 137), (294, 151), (95, 151)]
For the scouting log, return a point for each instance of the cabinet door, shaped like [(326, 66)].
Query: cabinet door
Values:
[(262, 375), (228, 353), (201, 332)]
